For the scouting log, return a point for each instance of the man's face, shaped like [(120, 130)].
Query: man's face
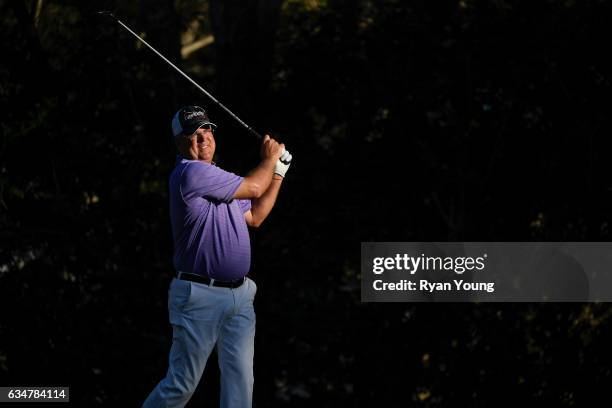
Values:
[(201, 145)]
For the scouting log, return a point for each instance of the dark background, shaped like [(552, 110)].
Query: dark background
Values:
[(408, 121)]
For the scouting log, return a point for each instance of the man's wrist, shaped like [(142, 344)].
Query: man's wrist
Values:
[(268, 161)]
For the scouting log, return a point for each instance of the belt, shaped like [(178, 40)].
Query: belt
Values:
[(209, 281)]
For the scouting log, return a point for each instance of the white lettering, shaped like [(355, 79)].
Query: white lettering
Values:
[(475, 286), (415, 264), (433, 286), (377, 268), (193, 114), (401, 285)]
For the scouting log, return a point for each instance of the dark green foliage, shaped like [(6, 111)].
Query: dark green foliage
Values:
[(408, 121)]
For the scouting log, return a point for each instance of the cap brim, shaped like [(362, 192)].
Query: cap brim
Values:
[(191, 130)]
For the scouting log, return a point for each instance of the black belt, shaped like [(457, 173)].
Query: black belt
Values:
[(207, 281)]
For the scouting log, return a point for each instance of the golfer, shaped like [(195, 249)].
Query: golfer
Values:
[(210, 300)]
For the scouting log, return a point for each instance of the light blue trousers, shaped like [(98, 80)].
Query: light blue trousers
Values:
[(203, 316)]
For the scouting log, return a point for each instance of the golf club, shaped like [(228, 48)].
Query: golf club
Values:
[(212, 98)]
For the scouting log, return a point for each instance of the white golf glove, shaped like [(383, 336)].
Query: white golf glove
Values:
[(282, 164)]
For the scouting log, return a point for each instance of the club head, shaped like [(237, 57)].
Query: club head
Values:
[(105, 13)]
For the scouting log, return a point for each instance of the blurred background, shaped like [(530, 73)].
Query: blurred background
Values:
[(408, 121)]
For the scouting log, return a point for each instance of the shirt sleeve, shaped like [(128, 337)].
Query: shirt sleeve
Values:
[(245, 205), (205, 180)]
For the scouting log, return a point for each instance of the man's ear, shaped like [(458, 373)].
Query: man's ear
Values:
[(181, 142)]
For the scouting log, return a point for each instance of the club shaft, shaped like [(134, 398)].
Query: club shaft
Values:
[(212, 98)]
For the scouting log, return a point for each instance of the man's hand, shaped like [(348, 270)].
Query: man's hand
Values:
[(256, 183), (283, 163), (271, 149)]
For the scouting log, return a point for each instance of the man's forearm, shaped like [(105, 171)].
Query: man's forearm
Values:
[(261, 207), (262, 174), (257, 182)]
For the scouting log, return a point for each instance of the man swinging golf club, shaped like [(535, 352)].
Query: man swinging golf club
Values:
[(210, 299)]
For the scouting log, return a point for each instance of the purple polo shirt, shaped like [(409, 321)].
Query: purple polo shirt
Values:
[(210, 233)]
